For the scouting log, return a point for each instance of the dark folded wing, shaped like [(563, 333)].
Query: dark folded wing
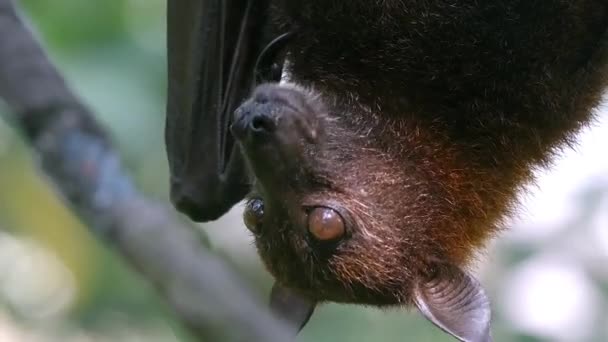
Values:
[(212, 49)]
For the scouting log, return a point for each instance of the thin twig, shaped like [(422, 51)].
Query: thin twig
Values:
[(79, 160)]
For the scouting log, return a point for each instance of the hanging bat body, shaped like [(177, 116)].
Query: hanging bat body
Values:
[(379, 144)]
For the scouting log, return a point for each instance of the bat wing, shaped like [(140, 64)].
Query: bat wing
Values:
[(212, 48)]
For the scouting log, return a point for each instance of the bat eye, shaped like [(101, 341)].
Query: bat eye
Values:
[(254, 214), (326, 224)]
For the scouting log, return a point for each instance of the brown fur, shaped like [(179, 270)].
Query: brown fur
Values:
[(435, 114)]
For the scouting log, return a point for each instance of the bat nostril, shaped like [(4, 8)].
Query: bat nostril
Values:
[(262, 124)]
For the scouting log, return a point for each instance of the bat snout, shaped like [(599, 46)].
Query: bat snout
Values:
[(276, 113), (252, 121)]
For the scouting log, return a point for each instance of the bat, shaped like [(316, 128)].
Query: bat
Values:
[(378, 144)]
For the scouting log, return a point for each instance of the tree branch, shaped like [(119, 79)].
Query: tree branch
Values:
[(79, 160)]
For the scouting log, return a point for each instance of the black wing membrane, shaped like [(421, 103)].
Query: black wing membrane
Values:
[(212, 50)]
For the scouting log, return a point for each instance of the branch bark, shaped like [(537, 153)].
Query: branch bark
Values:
[(79, 160)]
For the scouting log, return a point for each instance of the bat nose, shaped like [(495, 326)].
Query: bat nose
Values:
[(262, 123), (253, 119), (278, 114)]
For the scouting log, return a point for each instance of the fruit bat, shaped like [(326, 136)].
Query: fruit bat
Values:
[(378, 144)]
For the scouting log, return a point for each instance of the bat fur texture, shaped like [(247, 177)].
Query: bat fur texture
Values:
[(379, 144)]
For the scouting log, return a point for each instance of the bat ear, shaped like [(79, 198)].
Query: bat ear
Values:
[(291, 306), (455, 302)]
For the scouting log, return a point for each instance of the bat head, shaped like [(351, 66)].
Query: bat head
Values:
[(353, 206)]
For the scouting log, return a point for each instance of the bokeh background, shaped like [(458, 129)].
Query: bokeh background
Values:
[(547, 275)]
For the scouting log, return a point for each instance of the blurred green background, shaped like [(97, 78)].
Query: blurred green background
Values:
[(547, 275)]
